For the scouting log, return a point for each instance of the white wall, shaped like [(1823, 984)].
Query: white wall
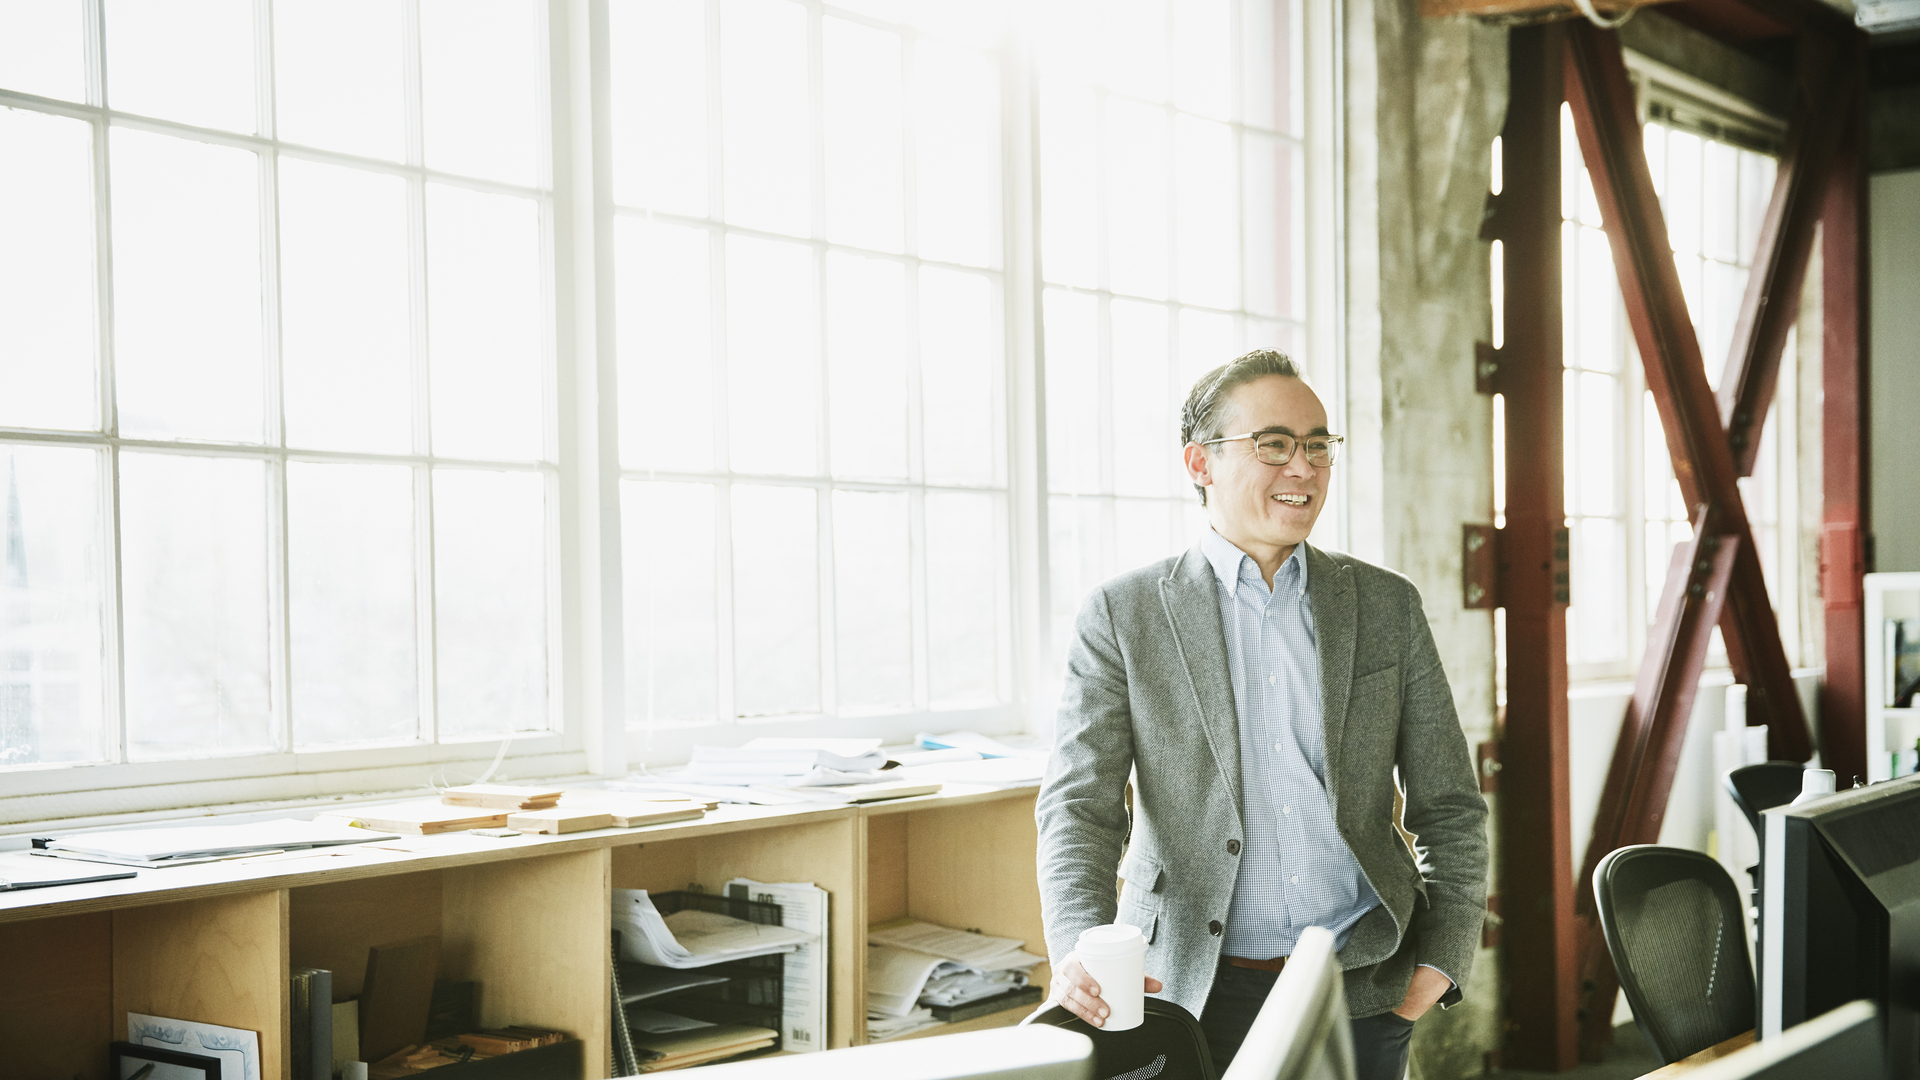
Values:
[(1894, 386)]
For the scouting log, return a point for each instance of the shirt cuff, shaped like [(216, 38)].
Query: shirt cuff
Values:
[(1449, 977)]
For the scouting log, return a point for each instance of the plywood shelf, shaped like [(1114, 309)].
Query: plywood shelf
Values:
[(528, 918)]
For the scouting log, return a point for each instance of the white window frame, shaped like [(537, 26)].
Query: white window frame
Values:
[(586, 659)]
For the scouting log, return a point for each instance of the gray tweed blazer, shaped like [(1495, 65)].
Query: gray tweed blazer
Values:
[(1148, 700)]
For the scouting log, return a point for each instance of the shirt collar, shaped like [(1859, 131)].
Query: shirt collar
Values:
[(1226, 560)]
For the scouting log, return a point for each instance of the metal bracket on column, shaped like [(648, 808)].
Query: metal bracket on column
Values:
[(1486, 369), (1479, 567)]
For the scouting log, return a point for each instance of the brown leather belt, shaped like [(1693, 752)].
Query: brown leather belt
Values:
[(1274, 964)]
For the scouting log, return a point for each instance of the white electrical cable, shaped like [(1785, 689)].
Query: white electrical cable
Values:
[(1593, 15)]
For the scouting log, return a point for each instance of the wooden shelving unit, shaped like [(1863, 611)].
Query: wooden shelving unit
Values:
[(526, 917)]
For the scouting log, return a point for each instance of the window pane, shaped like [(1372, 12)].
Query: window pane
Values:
[(1209, 241), (1597, 299), (46, 273), (1680, 200), (1148, 530), (1756, 191), (1144, 410), (490, 601), (486, 325), (186, 295), (865, 184), (52, 650), (1598, 446), (1202, 56), (343, 248), (337, 79), (867, 360), (1597, 619), (1080, 533), (665, 340), (1069, 186), (1136, 178), (350, 558), (190, 61), (1722, 286), (193, 557), (1206, 342), (672, 629), (1268, 235), (958, 353), (776, 601), (43, 48), (481, 89), (659, 80), (1266, 51), (1267, 334), (961, 592), (957, 102), (871, 609), (773, 356), (1133, 52), (763, 80), (1074, 406), (1720, 210)]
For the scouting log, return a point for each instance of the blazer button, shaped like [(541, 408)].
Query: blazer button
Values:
[(1233, 847), (1214, 928)]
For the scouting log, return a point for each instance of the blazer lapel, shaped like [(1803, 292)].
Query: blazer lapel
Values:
[(1192, 601), (1331, 595)]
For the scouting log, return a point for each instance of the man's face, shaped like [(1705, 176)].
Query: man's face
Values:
[(1250, 502)]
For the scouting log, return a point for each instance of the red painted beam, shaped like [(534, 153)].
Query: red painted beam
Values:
[(1536, 880), (1771, 304), (1843, 439)]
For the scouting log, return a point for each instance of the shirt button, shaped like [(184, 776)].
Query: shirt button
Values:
[(1296, 879), (1279, 748), (1233, 847), (1214, 928), (1271, 679), (1286, 809)]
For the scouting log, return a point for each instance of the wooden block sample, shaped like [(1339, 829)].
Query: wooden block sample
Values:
[(424, 817), (501, 796), (558, 820)]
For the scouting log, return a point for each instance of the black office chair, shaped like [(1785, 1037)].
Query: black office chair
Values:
[(1762, 787), (1168, 1044), (1675, 929)]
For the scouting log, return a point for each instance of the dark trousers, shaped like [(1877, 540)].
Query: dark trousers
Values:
[(1380, 1043)]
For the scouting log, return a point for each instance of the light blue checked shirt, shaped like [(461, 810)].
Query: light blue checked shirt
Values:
[(1295, 870)]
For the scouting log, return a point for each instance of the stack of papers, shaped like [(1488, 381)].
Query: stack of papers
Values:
[(661, 1051), (912, 963), (882, 1028), (23, 871), (691, 939), (203, 843), (789, 762)]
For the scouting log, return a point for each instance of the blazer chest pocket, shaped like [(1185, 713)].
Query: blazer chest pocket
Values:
[(1141, 893), (1376, 695)]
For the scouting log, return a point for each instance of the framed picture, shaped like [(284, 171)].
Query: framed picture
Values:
[(129, 1060)]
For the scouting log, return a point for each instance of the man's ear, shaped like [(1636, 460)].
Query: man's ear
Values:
[(1199, 465)]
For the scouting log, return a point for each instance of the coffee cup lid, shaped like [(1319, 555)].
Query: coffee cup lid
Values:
[(1111, 939)]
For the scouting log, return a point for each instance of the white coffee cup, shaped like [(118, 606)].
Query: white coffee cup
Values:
[(1115, 956)]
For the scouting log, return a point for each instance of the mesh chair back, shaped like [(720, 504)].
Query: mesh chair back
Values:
[(1678, 938), (1168, 1044), (1762, 787)]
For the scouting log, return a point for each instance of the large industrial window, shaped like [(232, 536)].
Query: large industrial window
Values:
[(274, 337), (380, 380), (1624, 508)]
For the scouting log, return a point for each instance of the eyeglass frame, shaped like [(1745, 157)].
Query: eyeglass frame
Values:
[(1335, 441)]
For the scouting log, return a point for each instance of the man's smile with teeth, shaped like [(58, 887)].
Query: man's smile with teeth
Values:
[(1292, 499)]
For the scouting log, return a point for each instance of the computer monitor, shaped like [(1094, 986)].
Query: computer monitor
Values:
[(1302, 1031), (1840, 913), (1843, 1043), (1038, 1052)]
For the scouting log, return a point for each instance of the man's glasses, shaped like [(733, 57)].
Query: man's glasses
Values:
[(1276, 447)]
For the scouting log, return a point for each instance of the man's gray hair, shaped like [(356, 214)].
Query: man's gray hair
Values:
[(1201, 417)]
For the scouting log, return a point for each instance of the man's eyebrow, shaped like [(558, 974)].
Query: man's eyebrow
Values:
[(1282, 429)]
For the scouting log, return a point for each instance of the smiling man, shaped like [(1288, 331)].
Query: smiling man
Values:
[(1263, 696)]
